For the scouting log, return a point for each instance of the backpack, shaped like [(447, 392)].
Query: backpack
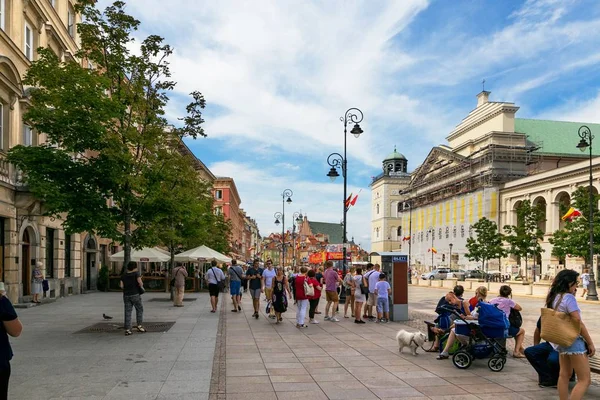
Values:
[(515, 318)]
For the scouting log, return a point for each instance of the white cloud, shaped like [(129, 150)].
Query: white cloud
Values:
[(576, 110)]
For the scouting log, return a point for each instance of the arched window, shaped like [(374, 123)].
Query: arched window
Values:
[(462, 231), (399, 232), (377, 209), (440, 233), (399, 206), (447, 232), (377, 230)]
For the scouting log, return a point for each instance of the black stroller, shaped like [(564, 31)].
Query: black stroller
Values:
[(485, 341)]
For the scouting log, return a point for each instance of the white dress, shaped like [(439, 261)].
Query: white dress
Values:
[(358, 296)]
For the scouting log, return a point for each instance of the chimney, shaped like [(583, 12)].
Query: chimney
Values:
[(483, 97)]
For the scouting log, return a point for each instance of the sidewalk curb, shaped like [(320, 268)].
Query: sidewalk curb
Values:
[(219, 366), (528, 296)]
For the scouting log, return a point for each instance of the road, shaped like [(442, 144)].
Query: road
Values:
[(425, 299)]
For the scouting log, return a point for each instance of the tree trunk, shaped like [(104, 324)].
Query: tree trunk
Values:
[(126, 239)]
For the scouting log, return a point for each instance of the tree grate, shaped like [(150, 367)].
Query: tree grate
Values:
[(166, 299), (111, 327)]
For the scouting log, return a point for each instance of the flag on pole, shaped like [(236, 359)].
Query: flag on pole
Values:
[(347, 202), (433, 250), (571, 214), (405, 238)]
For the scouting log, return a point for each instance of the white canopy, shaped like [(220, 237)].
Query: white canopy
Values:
[(202, 253), (147, 254)]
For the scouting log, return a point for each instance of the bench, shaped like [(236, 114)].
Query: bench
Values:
[(595, 364)]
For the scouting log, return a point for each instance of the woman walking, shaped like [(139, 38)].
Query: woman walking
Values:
[(562, 298), (359, 297), (301, 298), (132, 286), (280, 288), (347, 284), (314, 299), (37, 279)]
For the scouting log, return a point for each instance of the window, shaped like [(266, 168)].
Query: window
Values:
[(49, 253), (218, 210), (377, 230), (1, 124), (27, 135), (440, 233), (28, 45), (377, 209), (71, 21), (2, 13), (399, 232), (218, 194), (52, 3), (68, 256), (462, 231)]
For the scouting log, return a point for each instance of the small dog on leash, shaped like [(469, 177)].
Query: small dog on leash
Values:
[(410, 339)]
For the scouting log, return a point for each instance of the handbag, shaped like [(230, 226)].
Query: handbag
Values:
[(559, 327), (141, 290), (515, 318), (309, 290), (220, 284)]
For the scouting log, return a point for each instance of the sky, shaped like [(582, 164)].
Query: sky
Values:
[(278, 75)]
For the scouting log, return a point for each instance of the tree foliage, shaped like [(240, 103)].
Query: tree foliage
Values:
[(487, 243), (524, 238), (574, 238), (109, 148)]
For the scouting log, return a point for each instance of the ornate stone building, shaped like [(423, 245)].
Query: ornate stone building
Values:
[(492, 161)]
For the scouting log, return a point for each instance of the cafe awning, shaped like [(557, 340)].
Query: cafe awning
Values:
[(147, 254), (202, 253)]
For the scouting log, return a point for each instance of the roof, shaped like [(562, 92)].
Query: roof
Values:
[(334, 231), (555, 137), (394, 156)]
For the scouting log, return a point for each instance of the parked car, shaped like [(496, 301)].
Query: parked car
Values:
[(457, 274), (476, 274), (439, 273)]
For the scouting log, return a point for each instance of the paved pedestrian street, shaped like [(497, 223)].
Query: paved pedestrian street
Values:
[(234, 356)]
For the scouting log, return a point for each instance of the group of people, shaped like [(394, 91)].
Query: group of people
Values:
[(555, 365), (305, 286)]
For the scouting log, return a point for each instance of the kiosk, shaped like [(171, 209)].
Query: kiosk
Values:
[(395, 266)]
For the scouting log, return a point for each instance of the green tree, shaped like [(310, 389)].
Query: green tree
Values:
[(524, 238), (487, 243), (574, 238), (109, 145)]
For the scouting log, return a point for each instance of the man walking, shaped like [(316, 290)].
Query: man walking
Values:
[(254, 276), (236, 275), (267, 283), (179, 274), (331, 295), (213, 277), (371, 278)]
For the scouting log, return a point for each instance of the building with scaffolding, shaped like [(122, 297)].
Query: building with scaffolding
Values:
[(429, 213)]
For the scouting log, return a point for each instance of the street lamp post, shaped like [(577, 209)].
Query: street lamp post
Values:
[(432, 231), (335, 161), (297, 218), (286, 193), (404, 206), (585, 134), (450, 256)]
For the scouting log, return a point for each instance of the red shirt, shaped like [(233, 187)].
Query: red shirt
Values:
[(315, 283), (299, 283)]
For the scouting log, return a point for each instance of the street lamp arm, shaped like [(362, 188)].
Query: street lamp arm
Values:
[(277, 215), (287, 193), (353, 115)]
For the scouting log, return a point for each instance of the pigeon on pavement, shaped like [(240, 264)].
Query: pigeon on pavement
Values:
[(106, 316)]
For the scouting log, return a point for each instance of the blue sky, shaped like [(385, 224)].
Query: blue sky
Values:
[(277, 75)]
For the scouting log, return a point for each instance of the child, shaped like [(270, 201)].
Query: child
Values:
[(585, 281), (382, 291)]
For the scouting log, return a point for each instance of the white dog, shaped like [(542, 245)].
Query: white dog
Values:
[(410, 339)]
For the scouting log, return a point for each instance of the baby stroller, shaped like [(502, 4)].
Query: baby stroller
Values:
[(486, 338)]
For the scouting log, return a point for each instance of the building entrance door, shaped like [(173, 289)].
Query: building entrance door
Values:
[(26, 264), (90, 264)]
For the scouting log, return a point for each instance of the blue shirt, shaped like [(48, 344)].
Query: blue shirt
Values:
[(7, 313)]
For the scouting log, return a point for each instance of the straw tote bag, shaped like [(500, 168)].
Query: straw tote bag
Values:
[(558, 327)]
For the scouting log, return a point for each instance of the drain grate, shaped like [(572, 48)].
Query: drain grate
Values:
[(111, 327), (166, 299)]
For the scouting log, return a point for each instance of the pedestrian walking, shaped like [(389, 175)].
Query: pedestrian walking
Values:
[(254, 276), (244, 280), (37, 277), (561, 297), (585, 281), (301, 298), (11, 326), (320, 278), (315, 298), (331, 295), (281, 293), (214, 277), (267, 284), (347, 284), (371, 279), (179, 275), (359, 297), (236, 275), (132, 285), (383, 291)]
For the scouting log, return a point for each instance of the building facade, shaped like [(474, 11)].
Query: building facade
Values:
[(491, 163)]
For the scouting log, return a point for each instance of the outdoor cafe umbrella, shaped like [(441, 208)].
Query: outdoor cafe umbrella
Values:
[(201, 253), (147, 254)]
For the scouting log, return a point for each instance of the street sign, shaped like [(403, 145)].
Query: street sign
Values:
[(144, 259), (400, 258)]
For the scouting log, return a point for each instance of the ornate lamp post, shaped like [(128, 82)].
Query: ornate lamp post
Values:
[(585, 134), (335, 161), (281, 215), (450, 256), (432, 231)]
